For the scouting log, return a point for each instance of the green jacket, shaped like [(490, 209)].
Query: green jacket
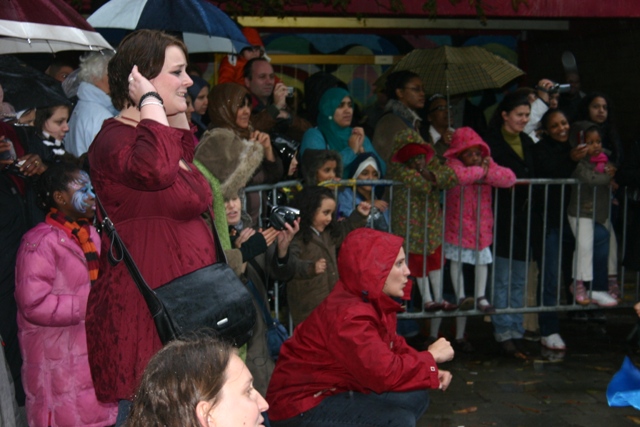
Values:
[(422, 197)]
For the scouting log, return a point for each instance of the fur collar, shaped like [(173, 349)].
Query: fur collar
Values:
[(404, 112)]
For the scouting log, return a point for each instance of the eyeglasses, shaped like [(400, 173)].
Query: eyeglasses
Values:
[(417, 89), (440, 108)]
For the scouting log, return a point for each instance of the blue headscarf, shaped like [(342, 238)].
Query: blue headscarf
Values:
[(336, 137)]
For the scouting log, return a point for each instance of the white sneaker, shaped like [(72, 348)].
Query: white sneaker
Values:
[(553, 342), (603, 299)]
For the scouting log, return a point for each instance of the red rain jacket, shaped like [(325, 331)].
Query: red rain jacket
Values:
[(349, 342)]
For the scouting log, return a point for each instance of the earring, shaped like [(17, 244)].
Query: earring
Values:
[(330, 117)]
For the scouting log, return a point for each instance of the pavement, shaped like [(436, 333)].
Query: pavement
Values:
[(548, 389)]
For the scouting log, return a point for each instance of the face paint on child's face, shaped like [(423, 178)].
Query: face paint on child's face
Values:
[(82, 195), (471, 156), (327, 171)]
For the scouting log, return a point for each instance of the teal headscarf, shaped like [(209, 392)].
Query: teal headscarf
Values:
[(336, 137)]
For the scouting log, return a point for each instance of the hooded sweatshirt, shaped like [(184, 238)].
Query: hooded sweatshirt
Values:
[(474, 191), (349, 343)]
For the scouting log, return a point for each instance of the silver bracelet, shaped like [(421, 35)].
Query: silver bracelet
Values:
[(151, 102)]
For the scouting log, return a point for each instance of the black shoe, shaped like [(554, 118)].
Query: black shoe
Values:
[(533, 336), (462, 346), (509, 349), (521, 345)]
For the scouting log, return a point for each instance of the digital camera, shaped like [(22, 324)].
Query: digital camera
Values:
[(281, 215)]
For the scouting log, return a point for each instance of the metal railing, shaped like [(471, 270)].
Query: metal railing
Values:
[(537, 216)]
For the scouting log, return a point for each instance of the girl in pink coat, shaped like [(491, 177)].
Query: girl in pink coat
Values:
[(56, 265), (469, 228)]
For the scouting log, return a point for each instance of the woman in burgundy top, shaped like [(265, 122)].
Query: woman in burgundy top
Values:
[(141, 169)]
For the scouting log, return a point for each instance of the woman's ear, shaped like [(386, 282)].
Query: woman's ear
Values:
[(399, 93), (203, 413), (504, 116)]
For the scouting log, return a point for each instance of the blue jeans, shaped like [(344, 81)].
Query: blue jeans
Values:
[(508, 293), (548, 320), (391, 409), (124, 408)]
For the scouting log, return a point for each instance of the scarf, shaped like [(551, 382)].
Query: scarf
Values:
[(336, 137), (224, 102), (55, 145), (81, 231), (600, 162)]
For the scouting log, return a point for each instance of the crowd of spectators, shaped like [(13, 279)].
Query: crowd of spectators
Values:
[(169, 155)]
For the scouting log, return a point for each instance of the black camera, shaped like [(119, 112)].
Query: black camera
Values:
[(556, 88), (281, 215)]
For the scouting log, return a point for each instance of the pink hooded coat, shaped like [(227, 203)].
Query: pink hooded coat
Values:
[(470, 182), (52, 287)]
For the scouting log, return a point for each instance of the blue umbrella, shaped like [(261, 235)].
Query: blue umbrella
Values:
[(203, 27)]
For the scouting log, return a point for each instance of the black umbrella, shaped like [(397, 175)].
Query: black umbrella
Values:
[(26, 88)]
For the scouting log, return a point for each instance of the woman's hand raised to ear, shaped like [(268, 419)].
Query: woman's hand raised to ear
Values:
[(264, 140)]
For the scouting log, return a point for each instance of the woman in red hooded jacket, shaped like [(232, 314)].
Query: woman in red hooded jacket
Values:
[(345, 362)]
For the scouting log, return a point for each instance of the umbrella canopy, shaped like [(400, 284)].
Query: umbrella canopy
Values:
[(45, 26), (455, 70), (204, 27), (25, 87)]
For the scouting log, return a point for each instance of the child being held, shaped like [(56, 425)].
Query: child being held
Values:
[(313, 250), (469, 228), (595, 172)]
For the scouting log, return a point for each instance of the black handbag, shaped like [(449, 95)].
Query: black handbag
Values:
[(212, 298)]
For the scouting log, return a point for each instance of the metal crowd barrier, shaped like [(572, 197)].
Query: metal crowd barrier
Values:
[(537, 189)]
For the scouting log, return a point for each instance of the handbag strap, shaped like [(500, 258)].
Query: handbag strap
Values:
[(265, 312), (119, 252)]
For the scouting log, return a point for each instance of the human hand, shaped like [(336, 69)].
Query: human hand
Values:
[(578, 152), (31, 165), (280, 93), (244, 236), (356, 140), (264, 140), (441, 350), (4, 147), (445, 379), (446, 137), (269, 235), (545, 84), (364, 208), (610, 169), (138, 85), (381, 205), (636, 307), (321, 266), (614, 186), (286, 236)]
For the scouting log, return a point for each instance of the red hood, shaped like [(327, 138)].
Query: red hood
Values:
[(464, 138), (365, 260)]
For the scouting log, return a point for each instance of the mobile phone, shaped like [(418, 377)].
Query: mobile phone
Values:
[(289, 91)]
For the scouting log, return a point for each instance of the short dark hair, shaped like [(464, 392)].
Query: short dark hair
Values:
[(183, 373), (398, 80), (510, 102), (144, 48), (44, 114), (56, 178), (247, 71)]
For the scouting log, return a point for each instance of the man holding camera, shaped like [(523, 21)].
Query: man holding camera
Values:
[(547, 95), (269, 110)]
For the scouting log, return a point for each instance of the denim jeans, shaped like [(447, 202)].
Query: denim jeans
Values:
[(390, 409), (508, 293), (548, 320), (124, 408)]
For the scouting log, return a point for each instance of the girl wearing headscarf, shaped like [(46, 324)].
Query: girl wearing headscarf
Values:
[(334, 131)]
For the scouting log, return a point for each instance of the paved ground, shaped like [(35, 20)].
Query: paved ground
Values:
[(491, 390)]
